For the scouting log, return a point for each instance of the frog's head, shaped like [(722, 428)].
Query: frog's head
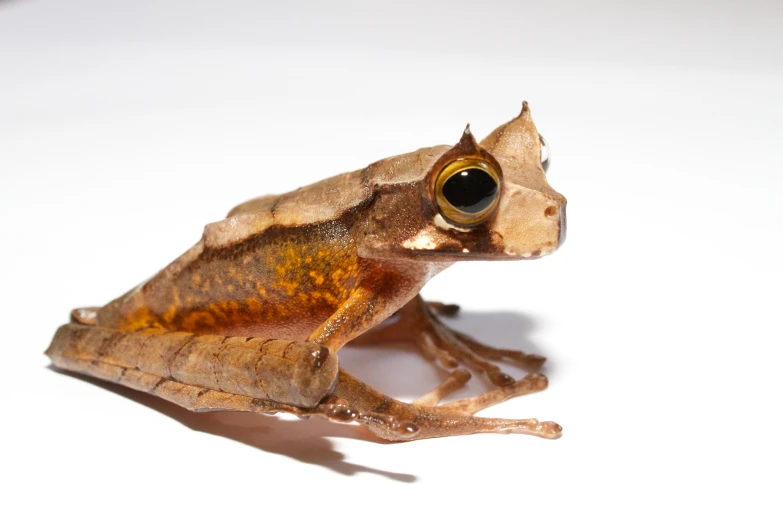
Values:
[(487, 200)]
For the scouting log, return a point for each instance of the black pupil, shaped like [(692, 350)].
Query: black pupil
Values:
[(470, 190)]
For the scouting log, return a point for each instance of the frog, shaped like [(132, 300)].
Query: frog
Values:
[(252, 317)]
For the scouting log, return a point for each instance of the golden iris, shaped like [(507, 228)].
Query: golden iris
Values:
[(466, 191)]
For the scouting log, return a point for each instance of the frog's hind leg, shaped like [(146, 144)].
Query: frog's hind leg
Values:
[(355, 401)]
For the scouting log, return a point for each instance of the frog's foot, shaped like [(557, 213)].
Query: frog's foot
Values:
[(355, 401), (531, 383), (436, 341), (530, 362)]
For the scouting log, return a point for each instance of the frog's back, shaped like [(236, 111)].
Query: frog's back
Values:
[(330, 198), (319, 202)]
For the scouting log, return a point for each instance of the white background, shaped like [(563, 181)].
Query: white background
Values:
[(127, 126)]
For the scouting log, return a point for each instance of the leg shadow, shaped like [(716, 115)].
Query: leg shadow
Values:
[(299, 439)]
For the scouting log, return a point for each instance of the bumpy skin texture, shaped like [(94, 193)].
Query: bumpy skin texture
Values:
[(295, 274), (296, 373)]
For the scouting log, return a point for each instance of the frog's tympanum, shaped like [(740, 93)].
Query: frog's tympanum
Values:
[(252, 317)]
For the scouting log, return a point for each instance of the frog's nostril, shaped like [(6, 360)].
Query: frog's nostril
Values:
[(550, 211)]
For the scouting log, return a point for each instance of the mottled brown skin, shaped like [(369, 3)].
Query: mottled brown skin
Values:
[(261, 286), (324, 265)]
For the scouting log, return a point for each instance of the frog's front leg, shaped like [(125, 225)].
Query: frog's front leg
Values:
[(419, 324), (377, 296)]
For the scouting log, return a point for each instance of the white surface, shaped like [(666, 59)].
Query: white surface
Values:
[(124, 128)]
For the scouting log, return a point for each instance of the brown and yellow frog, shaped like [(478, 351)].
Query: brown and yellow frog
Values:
[(252, 317)]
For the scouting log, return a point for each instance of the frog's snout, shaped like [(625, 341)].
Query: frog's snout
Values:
[(530, 223)]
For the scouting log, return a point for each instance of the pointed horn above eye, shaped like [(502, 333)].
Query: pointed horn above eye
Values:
[(467, 143), (518, 137)]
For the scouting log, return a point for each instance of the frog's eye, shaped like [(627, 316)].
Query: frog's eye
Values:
[(546, 153), (466, 191)]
